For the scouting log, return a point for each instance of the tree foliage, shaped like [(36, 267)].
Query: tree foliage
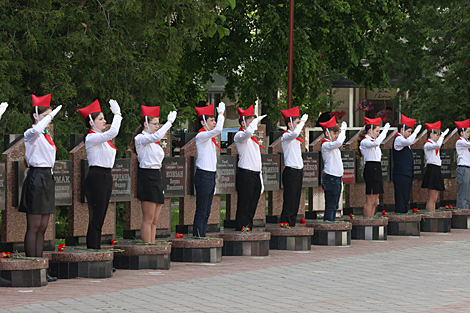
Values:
[(330, 40), (433, 63), (128, 50)]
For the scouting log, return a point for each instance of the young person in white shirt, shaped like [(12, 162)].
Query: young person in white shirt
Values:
[(403, 163), (101, 155), (249, 182), (206, 164), (331, 179), (38, 193), (146, 144), (294, 164), (462, 174), (433, 179), (369, 148)]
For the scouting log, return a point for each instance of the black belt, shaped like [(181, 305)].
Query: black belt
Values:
[(248, 171), (463, 166), (294, 169)]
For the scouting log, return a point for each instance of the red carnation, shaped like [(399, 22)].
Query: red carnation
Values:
[(415, 210), (114, 242), (451, 206), (61, 247), (447, 207), (351, 216), (6, 255), (383, 212), (246, 230), (303, 221), (179, 236)]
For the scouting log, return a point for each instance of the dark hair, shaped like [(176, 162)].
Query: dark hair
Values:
[(240, 120), (200, 119), (361, 136), (40, 111), (139, 130), (87, 123), (334, 129), (438, 131), (287, 120), (461, 130)]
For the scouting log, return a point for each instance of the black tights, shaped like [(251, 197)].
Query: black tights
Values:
[(34, 238)]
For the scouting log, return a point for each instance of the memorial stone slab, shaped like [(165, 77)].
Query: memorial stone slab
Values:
[(174, 176), (311, 169), (225, 178), (418, 156), (63, 182), (449, 163), (271, 171), (349, 165), (386, 164), (2, 186)]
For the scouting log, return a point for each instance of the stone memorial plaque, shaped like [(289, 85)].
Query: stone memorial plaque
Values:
[(311, 169), (418, 156), (349, 164), (386, 164), (2, 186), (174, 176), (63, 182), (225, 177), (121, 173), (271, 171), (21, 173), (360, 165), (449, 162)]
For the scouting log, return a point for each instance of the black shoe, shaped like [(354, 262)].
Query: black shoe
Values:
[(114, 269), (50, 278)]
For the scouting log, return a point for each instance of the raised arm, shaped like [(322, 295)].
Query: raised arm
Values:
[(113, 131)]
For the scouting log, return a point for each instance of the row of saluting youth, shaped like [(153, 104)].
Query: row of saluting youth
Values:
[(37, 199)]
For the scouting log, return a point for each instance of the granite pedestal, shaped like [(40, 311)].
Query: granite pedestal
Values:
[(292, 238), (23, 273), (237, 243), (403, 224), (366, 228), (139, 256), (81, 263), (460, 219), (436, 221), (207, 250), (328, 233)]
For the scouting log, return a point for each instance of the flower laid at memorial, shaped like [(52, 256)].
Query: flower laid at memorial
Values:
[(6, 255), (179, 236), (303, 221), (245, 230), (114, 242), (351, 216), (415, 210), (61, 247), (449, 207), (383, 212), (284, 225)]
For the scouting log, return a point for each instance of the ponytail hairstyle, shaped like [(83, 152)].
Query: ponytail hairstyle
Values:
[(87, 122), (138, 130), (361, 136)]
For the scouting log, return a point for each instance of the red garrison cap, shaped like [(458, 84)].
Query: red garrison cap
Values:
[(248, 112), (430, 126), (462, 124), (150, 111), (294, 112), (92, 108), (207, 110), (410, 122), (44, 101), (330, 123), (373, 121)]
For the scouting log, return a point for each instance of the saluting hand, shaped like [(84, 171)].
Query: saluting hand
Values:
[(55, 111), (386, 127), (3, 108), (445, 133), (172, 116), (114, 106), (417, 129), (344, 126), (304, 118), (221, 108)]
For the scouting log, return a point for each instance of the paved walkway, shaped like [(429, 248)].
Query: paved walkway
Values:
[(430, 273)]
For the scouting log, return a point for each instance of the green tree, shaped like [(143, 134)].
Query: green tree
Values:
[(432, 60), (128, 50)]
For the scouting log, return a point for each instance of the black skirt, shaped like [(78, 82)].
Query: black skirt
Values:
[(149, 186), (433, 178), (373, 178), (38, 193)]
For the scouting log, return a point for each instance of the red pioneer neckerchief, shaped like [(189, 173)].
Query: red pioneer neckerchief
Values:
[(253, 138), (213, 138), (109, 141), (298, 138), (49, 138), (437, 150)]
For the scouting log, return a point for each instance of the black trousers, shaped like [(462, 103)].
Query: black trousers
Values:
[(403, 185), (248, 188), (292, 181), (97, 189)]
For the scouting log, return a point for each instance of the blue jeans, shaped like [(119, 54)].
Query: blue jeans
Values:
[(204, 181), (332, 186)]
